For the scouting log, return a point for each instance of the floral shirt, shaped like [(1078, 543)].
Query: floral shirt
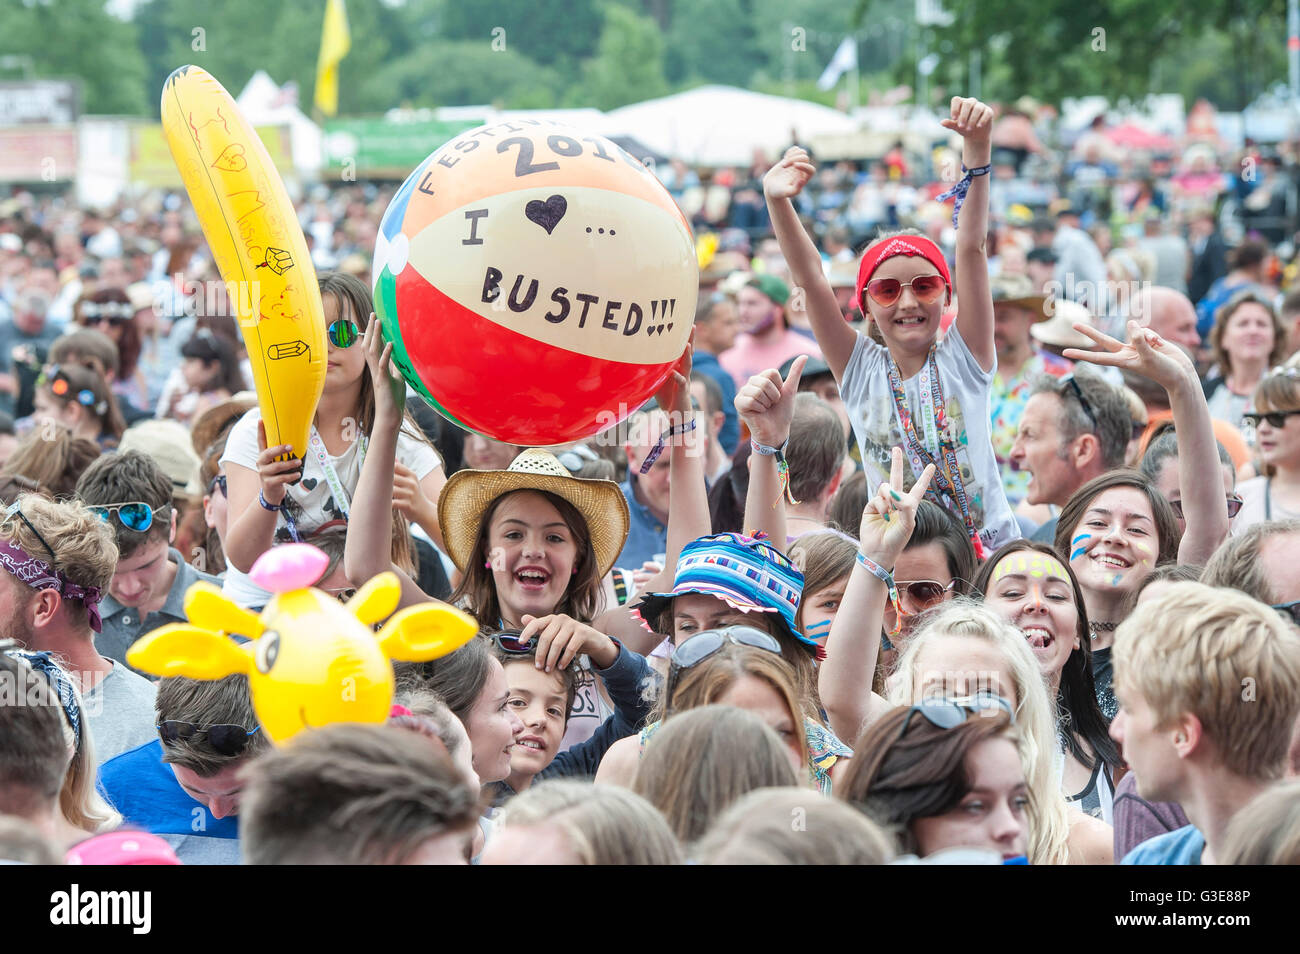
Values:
[(1006, 405)]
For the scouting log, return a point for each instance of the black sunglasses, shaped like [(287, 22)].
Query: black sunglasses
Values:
[(1290, 610), (1073, 385), (950, 713), (1274, 418), (219, 483), (225, 740), (1235, 504)]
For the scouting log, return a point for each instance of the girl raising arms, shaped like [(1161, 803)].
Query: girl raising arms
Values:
[(928, 396)]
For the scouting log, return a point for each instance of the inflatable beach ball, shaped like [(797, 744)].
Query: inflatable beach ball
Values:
[(538, 284)]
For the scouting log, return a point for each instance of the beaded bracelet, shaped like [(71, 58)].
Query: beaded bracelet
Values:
[(884, 576), (782, 467)]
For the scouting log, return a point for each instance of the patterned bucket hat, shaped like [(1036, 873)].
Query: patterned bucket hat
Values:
[(747, 573)]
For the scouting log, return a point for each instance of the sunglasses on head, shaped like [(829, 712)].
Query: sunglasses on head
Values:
[(950, 713), (1290, 610), (342, 593), (218, 483), (343, 333), (697, 648), (135, 515), (61, 387), (926, 288), (1274, 418), (510, 643), (1235, 504), (1077, 391), (225, 739), (576, 458)]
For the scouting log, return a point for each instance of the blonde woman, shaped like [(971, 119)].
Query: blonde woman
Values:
[(966, 648)]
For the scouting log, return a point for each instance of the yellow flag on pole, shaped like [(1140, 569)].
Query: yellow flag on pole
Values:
[(335, 42)]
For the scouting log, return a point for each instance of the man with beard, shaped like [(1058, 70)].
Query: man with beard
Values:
[(767, 340)]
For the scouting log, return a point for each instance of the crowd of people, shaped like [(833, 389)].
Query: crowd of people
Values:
[(966, 543)]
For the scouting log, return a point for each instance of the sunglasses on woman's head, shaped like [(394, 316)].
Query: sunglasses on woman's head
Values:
[(950, 713), (699, 647), (509, 642), (1274, 418), (218, 483), (343, 333), (135, 515), (226, 740), (1290, 611), (886, 291)]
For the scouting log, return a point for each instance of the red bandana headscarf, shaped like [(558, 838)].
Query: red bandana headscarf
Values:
[(900, 245)]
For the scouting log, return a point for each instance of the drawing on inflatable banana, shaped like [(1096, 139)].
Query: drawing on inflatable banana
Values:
[(253, 231)]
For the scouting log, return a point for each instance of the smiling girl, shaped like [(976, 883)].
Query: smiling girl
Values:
[(1028, 586), (1118, 527), (935, 387)]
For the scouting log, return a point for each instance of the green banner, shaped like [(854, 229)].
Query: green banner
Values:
[(371, 146)]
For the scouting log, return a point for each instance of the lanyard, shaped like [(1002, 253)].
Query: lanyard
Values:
[(947, 471), (342, 499)]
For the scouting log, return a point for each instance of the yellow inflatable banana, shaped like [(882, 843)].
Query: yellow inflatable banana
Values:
[(253, 232)]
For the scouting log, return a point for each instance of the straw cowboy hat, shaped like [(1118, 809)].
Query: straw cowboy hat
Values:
[(1058, 330), (469, 493), (1017, 290)]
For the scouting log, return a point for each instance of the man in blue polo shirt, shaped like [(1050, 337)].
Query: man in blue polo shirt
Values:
[(1208, 682), (185, 785)]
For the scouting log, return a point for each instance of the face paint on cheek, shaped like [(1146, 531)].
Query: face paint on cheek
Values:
[(1144, 549), (1080, 549), (1115, 580)]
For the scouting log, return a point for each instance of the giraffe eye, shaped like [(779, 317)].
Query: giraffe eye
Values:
[(268, 649)]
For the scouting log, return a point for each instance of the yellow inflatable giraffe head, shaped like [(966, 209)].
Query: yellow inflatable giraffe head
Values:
[(310, 660)]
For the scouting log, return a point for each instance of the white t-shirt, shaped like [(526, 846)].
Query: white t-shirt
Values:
[(966, 389), (310, 501)]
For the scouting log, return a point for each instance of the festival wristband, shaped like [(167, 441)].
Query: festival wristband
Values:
[(782, 467), (658, 449), (283, 511), (884, 576), (962, 187)]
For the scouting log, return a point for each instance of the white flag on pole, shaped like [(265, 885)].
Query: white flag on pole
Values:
[(845, 59)]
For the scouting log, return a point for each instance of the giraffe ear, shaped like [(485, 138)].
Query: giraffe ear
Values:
[(179, 649), (377, 599), (427, 631), (208, 607)]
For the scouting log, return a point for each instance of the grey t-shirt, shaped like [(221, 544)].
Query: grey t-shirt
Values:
[(120, 713), (122, 625)]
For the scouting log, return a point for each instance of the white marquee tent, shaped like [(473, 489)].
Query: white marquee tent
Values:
[(723, 125)]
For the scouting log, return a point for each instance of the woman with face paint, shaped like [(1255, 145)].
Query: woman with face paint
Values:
[(1028, 586), (1118, 527)]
